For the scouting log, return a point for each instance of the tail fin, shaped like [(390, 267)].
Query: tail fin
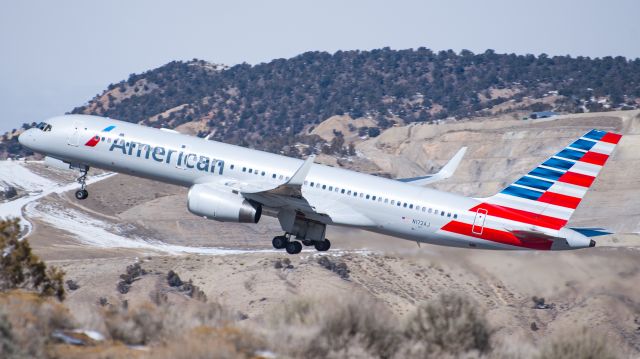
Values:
[(552, 191)]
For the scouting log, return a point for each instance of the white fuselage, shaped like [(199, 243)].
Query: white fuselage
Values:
[(378, 204)]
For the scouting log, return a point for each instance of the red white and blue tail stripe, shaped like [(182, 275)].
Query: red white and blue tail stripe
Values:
[(550, 193)]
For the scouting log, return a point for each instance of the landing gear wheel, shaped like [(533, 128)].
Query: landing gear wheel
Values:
[(279, 242), (294, 247), (82, 194), (323, 246)]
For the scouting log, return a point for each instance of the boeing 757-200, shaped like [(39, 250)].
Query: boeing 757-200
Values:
[(235, 184)]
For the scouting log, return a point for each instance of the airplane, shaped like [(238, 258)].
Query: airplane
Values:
[(230, 183)]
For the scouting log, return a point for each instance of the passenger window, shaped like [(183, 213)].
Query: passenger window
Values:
[(442, 213), (349, 193), (435, 211), (405, 205), (280, 176), (244, 169), (231, 167), (398, 203), (392, 202), (324, 186), (306, 183), (274, 176), (342, 191), (263, 173), (355, 194), (317, 185), (449, 215), (379, 199), (311, 184), (373, 198), (410, 206), (330, 188), (455, 216), (361, 194)]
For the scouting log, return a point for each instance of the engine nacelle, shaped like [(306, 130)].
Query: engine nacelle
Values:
[(212, 203)]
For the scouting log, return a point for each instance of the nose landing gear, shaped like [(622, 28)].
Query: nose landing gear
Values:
[(82, 193)]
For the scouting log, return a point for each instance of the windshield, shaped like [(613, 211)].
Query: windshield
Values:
[(44, 126)]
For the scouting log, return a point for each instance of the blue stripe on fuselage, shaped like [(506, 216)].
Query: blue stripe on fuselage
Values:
[(108, 128)]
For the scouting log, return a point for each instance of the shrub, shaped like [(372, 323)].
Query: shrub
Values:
[(579, 344), (21, 269), (451, 324), (134, 326), (337, 266), (347, 327), (27, 323)]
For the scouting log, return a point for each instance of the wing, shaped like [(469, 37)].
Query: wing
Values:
[(446, 171), (289, 196)]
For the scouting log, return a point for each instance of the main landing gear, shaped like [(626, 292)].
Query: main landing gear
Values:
[(295, 247), (82, 193)]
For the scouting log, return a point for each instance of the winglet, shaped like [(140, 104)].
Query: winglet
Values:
[(298, 178), (447, 171)]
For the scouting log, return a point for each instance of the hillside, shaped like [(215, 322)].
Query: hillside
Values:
[(275, 105), (128, 219)]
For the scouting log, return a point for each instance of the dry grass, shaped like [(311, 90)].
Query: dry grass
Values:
[(449, 327), (28, 321), (582, 343), (452, 324)]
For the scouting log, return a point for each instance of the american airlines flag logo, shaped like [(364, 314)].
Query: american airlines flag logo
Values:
[(93, 141)]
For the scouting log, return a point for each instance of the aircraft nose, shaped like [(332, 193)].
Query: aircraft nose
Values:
[(26, 137), (23, 137)]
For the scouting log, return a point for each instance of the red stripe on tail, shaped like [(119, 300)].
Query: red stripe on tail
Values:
[(594, 158), (611, 137), (495, 235), (519, 215), (577, 178), (559, 200)]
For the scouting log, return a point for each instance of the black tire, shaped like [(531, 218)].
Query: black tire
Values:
[(82, 194), (323, 246), (279, 242), (294, 247)]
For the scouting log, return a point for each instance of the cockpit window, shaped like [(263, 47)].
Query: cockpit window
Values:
[(44, 126)]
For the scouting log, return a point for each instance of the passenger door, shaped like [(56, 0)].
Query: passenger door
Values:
[(478, 222), (74, 137)]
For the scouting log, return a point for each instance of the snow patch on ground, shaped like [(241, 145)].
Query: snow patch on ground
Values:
[(37, 187), (100, 234), (13, 173)]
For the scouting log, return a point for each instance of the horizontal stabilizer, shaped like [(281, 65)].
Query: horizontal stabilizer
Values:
[(592, 232), (446, 171)]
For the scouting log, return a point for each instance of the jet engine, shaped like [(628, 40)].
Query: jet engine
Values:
[(211, 203)]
